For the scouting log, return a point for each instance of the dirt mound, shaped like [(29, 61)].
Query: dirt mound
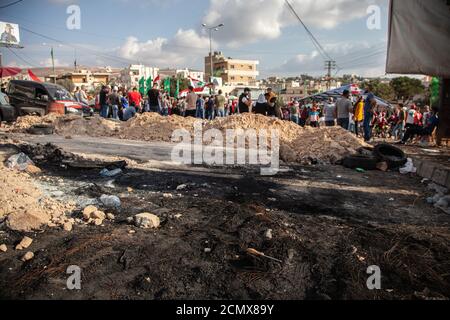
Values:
[(93, 127), (22, 124), (23, 205), (153, 127), (326, 145), (297, 145)]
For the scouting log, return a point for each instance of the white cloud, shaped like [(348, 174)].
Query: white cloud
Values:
[(186, 47), (253, 20)]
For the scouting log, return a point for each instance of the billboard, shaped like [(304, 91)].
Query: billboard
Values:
[(9, 34)]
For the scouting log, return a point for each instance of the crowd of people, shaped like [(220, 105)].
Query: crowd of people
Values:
[(360, 115)]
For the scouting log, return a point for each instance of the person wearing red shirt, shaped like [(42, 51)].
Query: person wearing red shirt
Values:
[(135, 98)]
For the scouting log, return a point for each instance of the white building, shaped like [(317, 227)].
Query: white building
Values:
[(130, 76)]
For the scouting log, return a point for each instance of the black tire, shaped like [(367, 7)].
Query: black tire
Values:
[(360, 161), (393, 156), (41, 129), (366, 151)]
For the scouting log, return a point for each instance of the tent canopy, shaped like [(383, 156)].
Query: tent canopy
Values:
[(336, 93), (419, 37)]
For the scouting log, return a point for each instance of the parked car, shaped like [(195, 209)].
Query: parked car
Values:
[(7, 111), (30, 97)]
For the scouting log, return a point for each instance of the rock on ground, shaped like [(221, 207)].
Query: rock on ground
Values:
[(147, 221)]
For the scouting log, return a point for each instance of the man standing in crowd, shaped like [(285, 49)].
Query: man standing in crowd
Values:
[(154, 99), (114, 102), (358, 114), (397, 132), (103, 101), (220, 104), (191, 101), (330, 114), (200, 114), (343, 108), (135, 98), (245, 101), (369, 108)]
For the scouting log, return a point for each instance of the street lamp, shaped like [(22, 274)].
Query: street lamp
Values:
[(211, 29)]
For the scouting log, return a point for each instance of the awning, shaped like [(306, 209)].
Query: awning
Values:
[(419, 37)]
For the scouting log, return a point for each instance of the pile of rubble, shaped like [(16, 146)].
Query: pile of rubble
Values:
[(24, 207), (297, 145)]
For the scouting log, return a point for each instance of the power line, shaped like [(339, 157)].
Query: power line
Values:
[(11, 4), (22, 59), (316, 43)]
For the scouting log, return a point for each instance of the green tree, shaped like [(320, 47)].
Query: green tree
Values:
[(67, 84), (406, 88)]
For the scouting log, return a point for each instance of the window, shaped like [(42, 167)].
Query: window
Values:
[(250, 67), (232, 66), (232, 78)]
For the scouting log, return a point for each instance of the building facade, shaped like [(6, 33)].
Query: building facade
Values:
[(232, 71)]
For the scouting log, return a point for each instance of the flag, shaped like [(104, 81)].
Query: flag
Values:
[(158, 78), (33, 76), (177, 91), (142, 86), (196, 83), (167, 85)]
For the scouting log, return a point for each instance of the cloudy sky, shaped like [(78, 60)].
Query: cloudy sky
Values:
[(168, 33)]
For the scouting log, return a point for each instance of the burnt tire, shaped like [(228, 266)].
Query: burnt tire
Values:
[(41, 129), (393, 156), (360, 161)]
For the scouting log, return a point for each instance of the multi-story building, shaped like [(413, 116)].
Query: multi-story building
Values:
[(130, 76), (184, 73), (232, 71), (86, 78)]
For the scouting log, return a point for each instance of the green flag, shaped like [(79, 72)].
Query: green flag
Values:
[(167, 85), (435, 90), (142, 86), (177, 91)]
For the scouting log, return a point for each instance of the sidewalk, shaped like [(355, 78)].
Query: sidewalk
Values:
[(431, 162)]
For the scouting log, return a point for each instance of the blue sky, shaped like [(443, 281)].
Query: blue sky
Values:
[(168, 33)]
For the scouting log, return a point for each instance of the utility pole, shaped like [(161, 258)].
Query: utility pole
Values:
[(329, 65), (211, 29)]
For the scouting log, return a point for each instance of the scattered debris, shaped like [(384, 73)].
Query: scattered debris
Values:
[(68, 226), (255, 252), (19, 162), (32, 169), (208, 250), (110, 173), (181, 187), (110, 201), (110, 216), (383, 166), (268, 235), (147, 221), (3, 248), (24, 244), (408, 167), (28, 256)]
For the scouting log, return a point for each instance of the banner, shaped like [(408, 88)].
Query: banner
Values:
[(419, 37)]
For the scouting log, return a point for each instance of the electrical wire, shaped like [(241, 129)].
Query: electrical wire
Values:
[(11, 4), (21, 58)]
